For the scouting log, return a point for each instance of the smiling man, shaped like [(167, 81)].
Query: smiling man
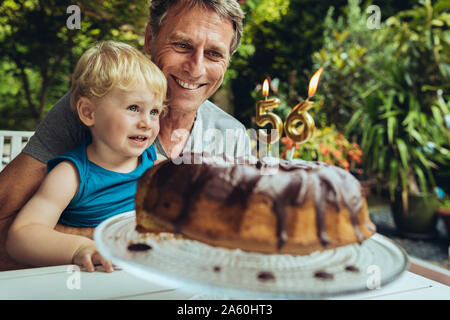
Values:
[(192, 42)]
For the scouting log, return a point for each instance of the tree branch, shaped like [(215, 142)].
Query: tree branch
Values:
[(26, 87)]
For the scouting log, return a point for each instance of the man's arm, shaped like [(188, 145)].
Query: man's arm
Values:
[(19, 180)]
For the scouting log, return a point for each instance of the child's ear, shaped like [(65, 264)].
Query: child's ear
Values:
[(85, 109)]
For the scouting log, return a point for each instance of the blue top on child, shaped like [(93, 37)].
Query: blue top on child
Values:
[(102, 193)]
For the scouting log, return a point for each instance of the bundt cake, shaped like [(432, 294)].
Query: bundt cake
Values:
[(303, 207)]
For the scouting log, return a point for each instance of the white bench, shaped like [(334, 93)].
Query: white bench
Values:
[(11, 143)]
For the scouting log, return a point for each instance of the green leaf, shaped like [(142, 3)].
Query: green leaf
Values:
[(422, 180), (437, 115), (391, 124), (403, 151), (403, 178), (410, 118), (382, 158), (423, 160), (444, 151), (393, 175), (389, 114), (354, 120), (416, 135), (442, 5), (367, 144), (443, 107)]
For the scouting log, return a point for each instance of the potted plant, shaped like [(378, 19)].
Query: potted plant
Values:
[(443, 211), (401, 121)]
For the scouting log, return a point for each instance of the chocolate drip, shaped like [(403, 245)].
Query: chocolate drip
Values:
[(287, 198), (244, 185), (320, 206), (352, 200), (266, 276), (139, 247), (324, 275), (352, 269), (202, 174), (295, 181)]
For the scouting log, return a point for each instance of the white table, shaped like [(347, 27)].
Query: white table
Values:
[(65, 282)]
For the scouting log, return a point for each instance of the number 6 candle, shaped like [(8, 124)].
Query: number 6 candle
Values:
[(300, 113)]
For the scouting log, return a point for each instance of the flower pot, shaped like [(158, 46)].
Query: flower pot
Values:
[(444, 213), (419, 219)]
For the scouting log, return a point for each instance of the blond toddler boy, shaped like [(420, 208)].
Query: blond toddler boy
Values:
[(119, 94)]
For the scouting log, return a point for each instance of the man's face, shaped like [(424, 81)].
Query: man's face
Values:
[(192, 49)]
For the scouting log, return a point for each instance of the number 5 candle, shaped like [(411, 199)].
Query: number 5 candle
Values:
[(264, 117)]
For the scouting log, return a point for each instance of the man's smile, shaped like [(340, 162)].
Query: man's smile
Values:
[(187, 85)]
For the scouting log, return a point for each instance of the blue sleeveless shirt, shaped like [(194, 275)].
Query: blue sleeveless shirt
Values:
[(102, 193)]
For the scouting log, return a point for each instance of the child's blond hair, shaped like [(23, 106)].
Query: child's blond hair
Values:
[(112, 64)]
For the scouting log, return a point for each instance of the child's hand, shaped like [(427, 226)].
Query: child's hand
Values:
[(87, 256)]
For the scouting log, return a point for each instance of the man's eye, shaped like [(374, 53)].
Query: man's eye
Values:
[(215, 54), (154, 112), (133, 108), (182, 45)]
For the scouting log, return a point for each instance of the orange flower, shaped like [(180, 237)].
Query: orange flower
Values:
[(288, 142), (345, 164), (324, 150), (336, 153)]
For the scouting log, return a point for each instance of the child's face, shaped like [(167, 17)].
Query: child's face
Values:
[(126, 122)]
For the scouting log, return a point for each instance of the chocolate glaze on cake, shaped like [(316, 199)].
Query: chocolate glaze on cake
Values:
[(139, 247), (291, 185)]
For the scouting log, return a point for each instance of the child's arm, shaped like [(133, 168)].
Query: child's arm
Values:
[(32, 238)]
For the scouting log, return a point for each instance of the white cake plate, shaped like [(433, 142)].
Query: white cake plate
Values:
[(175, 261)]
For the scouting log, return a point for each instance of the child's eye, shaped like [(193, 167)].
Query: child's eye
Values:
[(154, 112), (133, 108)]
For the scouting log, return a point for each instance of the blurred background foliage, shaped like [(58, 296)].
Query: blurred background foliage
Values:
[(38, 52), (384, 90)]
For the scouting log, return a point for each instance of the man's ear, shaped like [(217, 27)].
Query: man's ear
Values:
[(148, 39), (85, 109)]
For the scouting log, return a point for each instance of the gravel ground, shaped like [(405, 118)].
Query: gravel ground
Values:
[(435, 250)]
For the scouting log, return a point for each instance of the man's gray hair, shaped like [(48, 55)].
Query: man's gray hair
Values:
[(228, 9)]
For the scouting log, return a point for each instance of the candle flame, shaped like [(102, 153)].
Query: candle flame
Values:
[(314, 82), (265, 88)]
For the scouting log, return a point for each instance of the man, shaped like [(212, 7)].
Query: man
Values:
[(192, 42)]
